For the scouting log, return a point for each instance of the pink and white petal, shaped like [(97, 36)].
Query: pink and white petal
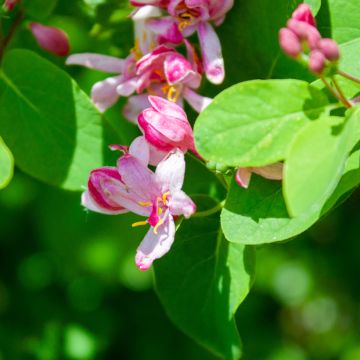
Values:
[(99, 62), (156, 155), (176, 68), (138, 178), (196, 101), (181, 204), (243, 176), (88, 202), (167, 30), (218, 10), (154, 246), (104, 94), (127, 88), (271, 172), (152, 58), (167, 108), (170, 172), (140, 149), (134, 106), (211, 53), (172, 7)]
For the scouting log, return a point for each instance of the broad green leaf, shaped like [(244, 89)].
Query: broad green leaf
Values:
[(201, 283), (253, 123), (51, 126), (315, 5), (315, 164), (6, 164), (258, 215), (39, 9)]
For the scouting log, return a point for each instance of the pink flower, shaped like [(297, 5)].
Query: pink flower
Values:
[(196, 15), (271, 172), (303, 13), (51, 39), (9, 4), (165, 126), (132, 186), (107, 92)]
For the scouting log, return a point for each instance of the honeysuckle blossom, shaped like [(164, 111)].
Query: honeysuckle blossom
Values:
[(132, 186), (165, 126), (191, 16), (271, 172), (107, 92)]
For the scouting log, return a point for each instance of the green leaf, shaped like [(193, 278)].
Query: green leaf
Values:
[(51, 126), (258, 215), (201, 283), (39, 9), (314, 4), (315, 163), (6, 165), (253, 123)]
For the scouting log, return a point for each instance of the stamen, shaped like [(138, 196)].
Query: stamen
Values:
[(145, 203), (135, 51), (173, 94), (164, 197), (139, 223), (161, 221)]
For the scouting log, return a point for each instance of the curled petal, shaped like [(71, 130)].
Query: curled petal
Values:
[(134, 106), (104, 92), (167, 108), (170, 172), (99, 62), (167, 30), (127, 87), (140, 149), (243, 176), (154, 246), (212, 54), (196, 101), (176, 68), (181, 204), (51, 39)]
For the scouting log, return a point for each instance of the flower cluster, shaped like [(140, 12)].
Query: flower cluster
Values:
[(157, 79), (300, 39)]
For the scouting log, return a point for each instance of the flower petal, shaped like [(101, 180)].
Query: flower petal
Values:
[(154, 246), (99, 62), (127, 87), (170, 172), (271, 172), (176, 68), (134, 106), (104, 93), (167, 108), (167, 30), (196, 101), (211, 52), (243, 176), (181, 204), (140, 149)]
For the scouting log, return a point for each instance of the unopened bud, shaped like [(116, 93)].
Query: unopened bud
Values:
[(289, 43), (329, 48), (305, 32), (303, 13), (9, 4), (317, 62), (51, 39)]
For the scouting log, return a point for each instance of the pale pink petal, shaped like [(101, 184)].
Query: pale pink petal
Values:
[(167, 30), (218, 10), (242, 177), (196, 101), (170, 172), (104, 93), (140, 149), (152, 58), (167, 108), (126, 88), (181, 204), (211, 53), (154, 246), (88, 202), (99, 62), (134, 106), (138, 178), (271, 172), (156, 155), (176, 68)]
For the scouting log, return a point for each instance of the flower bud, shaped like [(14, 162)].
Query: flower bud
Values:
[(51, 39), (289, 43), (303, 13), (329, 48), (165, 126), (305, 32), (317, 62), (9, 5)]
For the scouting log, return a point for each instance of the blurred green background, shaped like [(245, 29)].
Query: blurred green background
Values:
[(69, 288)]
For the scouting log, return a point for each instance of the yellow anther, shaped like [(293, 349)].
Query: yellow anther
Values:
[(136, 51), (173, 94), (183, 24), (145, 203), (139, 223), (164, 197), (160, 211), (161, 221)]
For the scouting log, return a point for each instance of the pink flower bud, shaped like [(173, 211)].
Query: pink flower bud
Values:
[(51, 39), (329, 48), (289, 42), (303, 13), (317, 62), (9, 4), (305, 32), (165, 126)]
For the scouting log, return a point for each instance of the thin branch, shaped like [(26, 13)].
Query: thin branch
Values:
[(211, 211), (333, 92), (343, 98), (348, 76)]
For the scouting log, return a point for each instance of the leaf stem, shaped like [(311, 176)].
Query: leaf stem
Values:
[(211, 211), (343, 99), (4, 42), (348, 76), (333, 92)]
